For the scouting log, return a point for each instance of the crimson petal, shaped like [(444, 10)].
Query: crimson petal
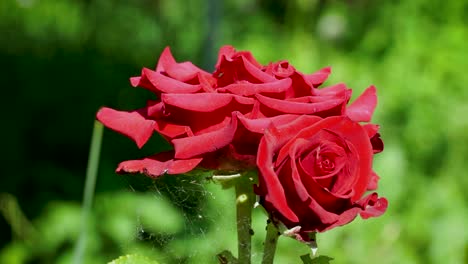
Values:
[(259, 125), (318, 77), (332, 90), (373, 181), (363, 107), (184, 71), (371, 129), (354, 133), (344, 218), (249, 89), (298, 108), (131, 124), (158, 165), (373, 206), (274, 194), (203, 102), (162, 83), (142, 81), (170, 130), (310, 207), (166, 60), (257, 72), (376, 141), (192, 146), (136, 81), (225, 53)]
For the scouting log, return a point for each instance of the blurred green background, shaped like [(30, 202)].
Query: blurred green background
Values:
[(63, 59)]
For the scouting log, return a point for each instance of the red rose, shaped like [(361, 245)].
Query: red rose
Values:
[(315, 171), (217, 119)]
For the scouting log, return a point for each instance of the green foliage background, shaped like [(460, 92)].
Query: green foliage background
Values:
[(62, 60)]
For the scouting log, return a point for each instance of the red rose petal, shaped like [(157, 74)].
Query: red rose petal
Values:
[(318, 77), (259, 125), (289, 107), (247, 160), (376, 141), (300, 86), (207, 83), (225, 53), (235, 66), (281, 69), (166, 60), (203, 102), (228, 53), (324, 141), (333, 90), (269, 184), (348, 130), (184, 71), (161, 83), (135, 81), (305, 206), (371, 129), (298, 187), (141, 81), (344, 218), (306, 99), (256, 72), (373, 206), (172, 131), (249, 89), (192, 146), (250, 58), (212, 126), (131, 124), (158, 165), (373, 182), (285, 132), (362, 109), (355, 133), (155, 109), (301, 129)]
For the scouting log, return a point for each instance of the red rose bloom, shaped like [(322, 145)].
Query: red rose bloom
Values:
[(314, 172), (216, 120)]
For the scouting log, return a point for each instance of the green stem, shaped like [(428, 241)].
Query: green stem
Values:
[(271, 240), (21, 228), (245, 199), (90, 183)]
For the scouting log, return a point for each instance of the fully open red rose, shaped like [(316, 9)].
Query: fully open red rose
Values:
[(315, 171), (218, 119)]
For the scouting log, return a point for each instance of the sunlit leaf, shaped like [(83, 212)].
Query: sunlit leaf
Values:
[(133, 259)]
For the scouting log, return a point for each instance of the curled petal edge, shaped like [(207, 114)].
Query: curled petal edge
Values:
[(209, 142), (373, 206), (373, 182), (158, 165), (131, 124), (318, 77), (362, 109)]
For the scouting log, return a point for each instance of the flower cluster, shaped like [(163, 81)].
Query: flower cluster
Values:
[(312, 149)]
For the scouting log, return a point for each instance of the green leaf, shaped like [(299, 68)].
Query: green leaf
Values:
[(318, 260), (15, 253), (123, 213), (60, 223), (133, 259)]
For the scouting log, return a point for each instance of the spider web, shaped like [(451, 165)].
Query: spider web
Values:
[(208, 214)]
